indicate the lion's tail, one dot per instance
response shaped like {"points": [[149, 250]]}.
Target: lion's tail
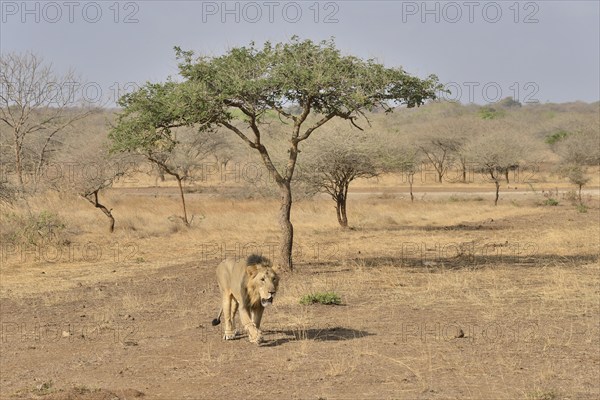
{"points": [[217, 320]]}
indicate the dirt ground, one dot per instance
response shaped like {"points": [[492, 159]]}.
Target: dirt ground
{"points": [[493, 305]]}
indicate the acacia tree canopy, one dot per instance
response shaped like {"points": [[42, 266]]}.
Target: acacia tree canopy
{"points": [[152, 123], [150, 114], [250, 86]]}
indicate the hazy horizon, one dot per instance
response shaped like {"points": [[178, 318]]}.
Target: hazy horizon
{"points": [[544, 51]]}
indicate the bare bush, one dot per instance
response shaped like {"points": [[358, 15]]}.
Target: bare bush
{"points": [[89, 168], [443, 142], [579, 150], [496, 151], [37, 105]]}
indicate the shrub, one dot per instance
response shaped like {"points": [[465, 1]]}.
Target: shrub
{"points": [[543, 395], [550, 202], [556, 137], [8, 193], [490, 113], [35, 228], [322, 298]]}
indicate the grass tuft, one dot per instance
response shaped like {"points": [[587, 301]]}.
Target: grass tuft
{"points": [[543, 395], [327, 298], [550, 202]]}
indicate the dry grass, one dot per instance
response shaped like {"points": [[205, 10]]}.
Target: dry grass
{"points": [[520, 280], [434, 232]]}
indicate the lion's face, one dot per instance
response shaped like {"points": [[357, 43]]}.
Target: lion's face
{"points": [[264, 282]]}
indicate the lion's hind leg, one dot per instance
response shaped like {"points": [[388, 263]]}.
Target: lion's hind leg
{"points": [[227, 314], [234, 309]]}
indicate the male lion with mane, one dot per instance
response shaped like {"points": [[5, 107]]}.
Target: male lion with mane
{"points": [[251, 285]]}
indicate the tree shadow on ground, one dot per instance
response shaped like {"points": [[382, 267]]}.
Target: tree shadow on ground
{"points": [[318, 335], [428, 228], [466, 260]]}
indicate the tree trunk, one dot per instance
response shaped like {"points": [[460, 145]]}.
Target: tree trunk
{"points": [[338, 211], [287, 229], [580, 201], [160, 175], [411, 178], [506, 176], [19, 166], [343, 212], [497, 182], [105, 210], [340, 208], [464, 173], [185, 218]]}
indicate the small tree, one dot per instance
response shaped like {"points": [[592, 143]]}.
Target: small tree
{"points": [[579, 150], [443, 144], [37, 105], [409, 169], [576, 175], [92, 168], [337, 162], [250, 87], [506, 171], [440, 153], [401, 157], [462, 159], [153, 127], [90, 189], [496, 151], [581, 147], [181, 160]]}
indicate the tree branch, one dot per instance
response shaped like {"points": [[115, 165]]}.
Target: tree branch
{"points": [[238, 132], [319, 123]]}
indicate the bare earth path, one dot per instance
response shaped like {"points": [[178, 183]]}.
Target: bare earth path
{"points": [[461, 325], [153, 336]]}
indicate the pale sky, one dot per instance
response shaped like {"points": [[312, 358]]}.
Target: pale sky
{"points": [[483, 51]]}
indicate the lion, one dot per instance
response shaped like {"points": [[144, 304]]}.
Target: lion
{"points": [[250, 284]]}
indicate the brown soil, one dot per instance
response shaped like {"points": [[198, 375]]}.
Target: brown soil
{"points": [[461, 326]]}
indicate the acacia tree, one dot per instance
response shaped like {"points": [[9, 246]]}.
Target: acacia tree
{"points": [[440, 151], [461, 130], [579, 150], [402, 157], [37, 105], [408, 167], [249, 87], [153, 126], [181, 159], [335, 163], [111, 169], [462, 159], [89, 168], [576, 173], [442, 143], [496, 151]]}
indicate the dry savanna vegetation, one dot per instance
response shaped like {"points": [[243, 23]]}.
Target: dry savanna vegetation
{"points": [[455, 257]]}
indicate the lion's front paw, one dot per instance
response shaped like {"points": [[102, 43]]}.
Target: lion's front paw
{"points": [[230, 335], [256, 338]]}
